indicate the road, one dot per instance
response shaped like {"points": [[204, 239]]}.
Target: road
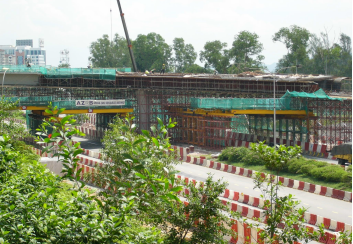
{"points": [[331, 161], [324, 206]]}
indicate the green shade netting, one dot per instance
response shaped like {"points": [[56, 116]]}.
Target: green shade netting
{"points": [[53, 72], [289, 101]]}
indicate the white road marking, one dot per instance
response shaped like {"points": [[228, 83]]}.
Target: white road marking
{"points": [[319, 208], [334, 212]]}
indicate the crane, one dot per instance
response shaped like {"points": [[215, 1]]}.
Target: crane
{"points": [[127, 38]]}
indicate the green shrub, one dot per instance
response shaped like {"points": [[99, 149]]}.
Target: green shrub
{"points": [[295, 164], [238, 154], [224, 156], [252, 158], [318, 164], [307, 168], [347, 177], [332, 173]]}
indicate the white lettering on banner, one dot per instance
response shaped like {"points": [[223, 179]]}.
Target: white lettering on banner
{"points": [[87, 103]]}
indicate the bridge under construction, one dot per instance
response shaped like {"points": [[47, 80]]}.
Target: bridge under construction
{"points": [[209, 109]]}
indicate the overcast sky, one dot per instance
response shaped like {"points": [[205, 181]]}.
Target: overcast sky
{"points": [[74, 24]]}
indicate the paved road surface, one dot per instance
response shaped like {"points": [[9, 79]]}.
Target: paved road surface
{"points": [[331, 161], [324, 206]]}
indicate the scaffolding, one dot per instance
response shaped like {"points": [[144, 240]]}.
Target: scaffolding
{"points": [[172, 97]]}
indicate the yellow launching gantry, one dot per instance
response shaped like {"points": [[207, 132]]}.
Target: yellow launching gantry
{"points": [[121, 111], [231, 113]]}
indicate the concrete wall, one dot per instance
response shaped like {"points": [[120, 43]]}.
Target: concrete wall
{"points": [[20, 79], [53, 165]]}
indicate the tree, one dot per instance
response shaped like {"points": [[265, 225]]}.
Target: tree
{"points": [[8, 126], [197, 69], [215, 56], [185, 55], [296, 40], [284, 217], [106, 54], [64, 66], [245, 52], [137, 164], [276, 158], [345, 61], [151, 52], [60, 138], [329, 57], [202, 215]]}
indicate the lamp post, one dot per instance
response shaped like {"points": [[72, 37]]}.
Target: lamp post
{"points": [[3, 78], [274, 101]]}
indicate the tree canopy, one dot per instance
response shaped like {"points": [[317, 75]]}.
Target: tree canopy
{"points": [[151, 52], [316, 54], [185, 55], [215, 56], [105, 54], [296, 40], [245, 51]]}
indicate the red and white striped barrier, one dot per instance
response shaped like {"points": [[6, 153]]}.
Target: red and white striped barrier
{"points": [[255, 210], [299, 185]]}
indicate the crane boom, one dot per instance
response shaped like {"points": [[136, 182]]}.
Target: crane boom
{"points": [[127, 38]]}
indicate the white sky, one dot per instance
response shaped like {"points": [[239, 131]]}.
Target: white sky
{"points": [[74, 24]]}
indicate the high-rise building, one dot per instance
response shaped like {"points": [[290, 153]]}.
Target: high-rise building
{"points": [[19, 54], [26, 42]]}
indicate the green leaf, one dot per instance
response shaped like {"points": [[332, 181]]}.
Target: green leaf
{"points": [[176, 189], [160, 122], [172, 197], [155, 141], [146, 133], [140, 175], [138, 141], [154, 189]]}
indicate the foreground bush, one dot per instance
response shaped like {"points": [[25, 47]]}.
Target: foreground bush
{"points": [[31, 212]]}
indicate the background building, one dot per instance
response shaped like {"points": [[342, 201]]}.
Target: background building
{"points": [[26, 42], [17, 55]]}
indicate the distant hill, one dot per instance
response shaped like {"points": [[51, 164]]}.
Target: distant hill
{"points": [[271, 67]]}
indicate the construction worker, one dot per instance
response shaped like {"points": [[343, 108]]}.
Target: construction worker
{"points": [[146, 72], [163, 69], [152, 71]]}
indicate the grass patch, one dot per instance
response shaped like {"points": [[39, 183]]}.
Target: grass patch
{"points": [[301, 177], [302, 169]]}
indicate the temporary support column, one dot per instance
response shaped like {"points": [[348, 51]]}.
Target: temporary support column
{"points": [[268, 130], [143, 104], [293, 127], [287, 130], [301, 130], [280, 130]]}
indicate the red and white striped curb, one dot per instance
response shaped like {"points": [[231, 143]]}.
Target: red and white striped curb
{"points": [[295, 184], [256, 211], [182, 152]]}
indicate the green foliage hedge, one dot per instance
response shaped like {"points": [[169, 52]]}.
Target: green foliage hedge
{"points": [[317, 169], [33, 209]]}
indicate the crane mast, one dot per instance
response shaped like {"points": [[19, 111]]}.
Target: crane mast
{"points": [[127, 38]]}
